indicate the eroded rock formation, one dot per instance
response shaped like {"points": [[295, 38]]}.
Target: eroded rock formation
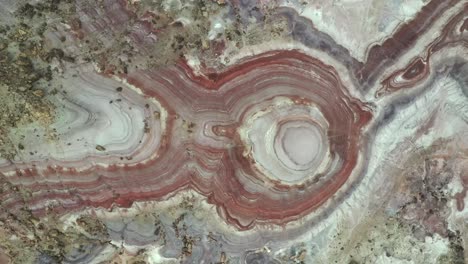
{"points": [[234, 132]]}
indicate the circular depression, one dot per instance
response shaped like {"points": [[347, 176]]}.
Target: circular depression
{"points": [[300, 145], [287, 141]]}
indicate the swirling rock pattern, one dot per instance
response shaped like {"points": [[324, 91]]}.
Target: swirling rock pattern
{"points": [[241, 132]]}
